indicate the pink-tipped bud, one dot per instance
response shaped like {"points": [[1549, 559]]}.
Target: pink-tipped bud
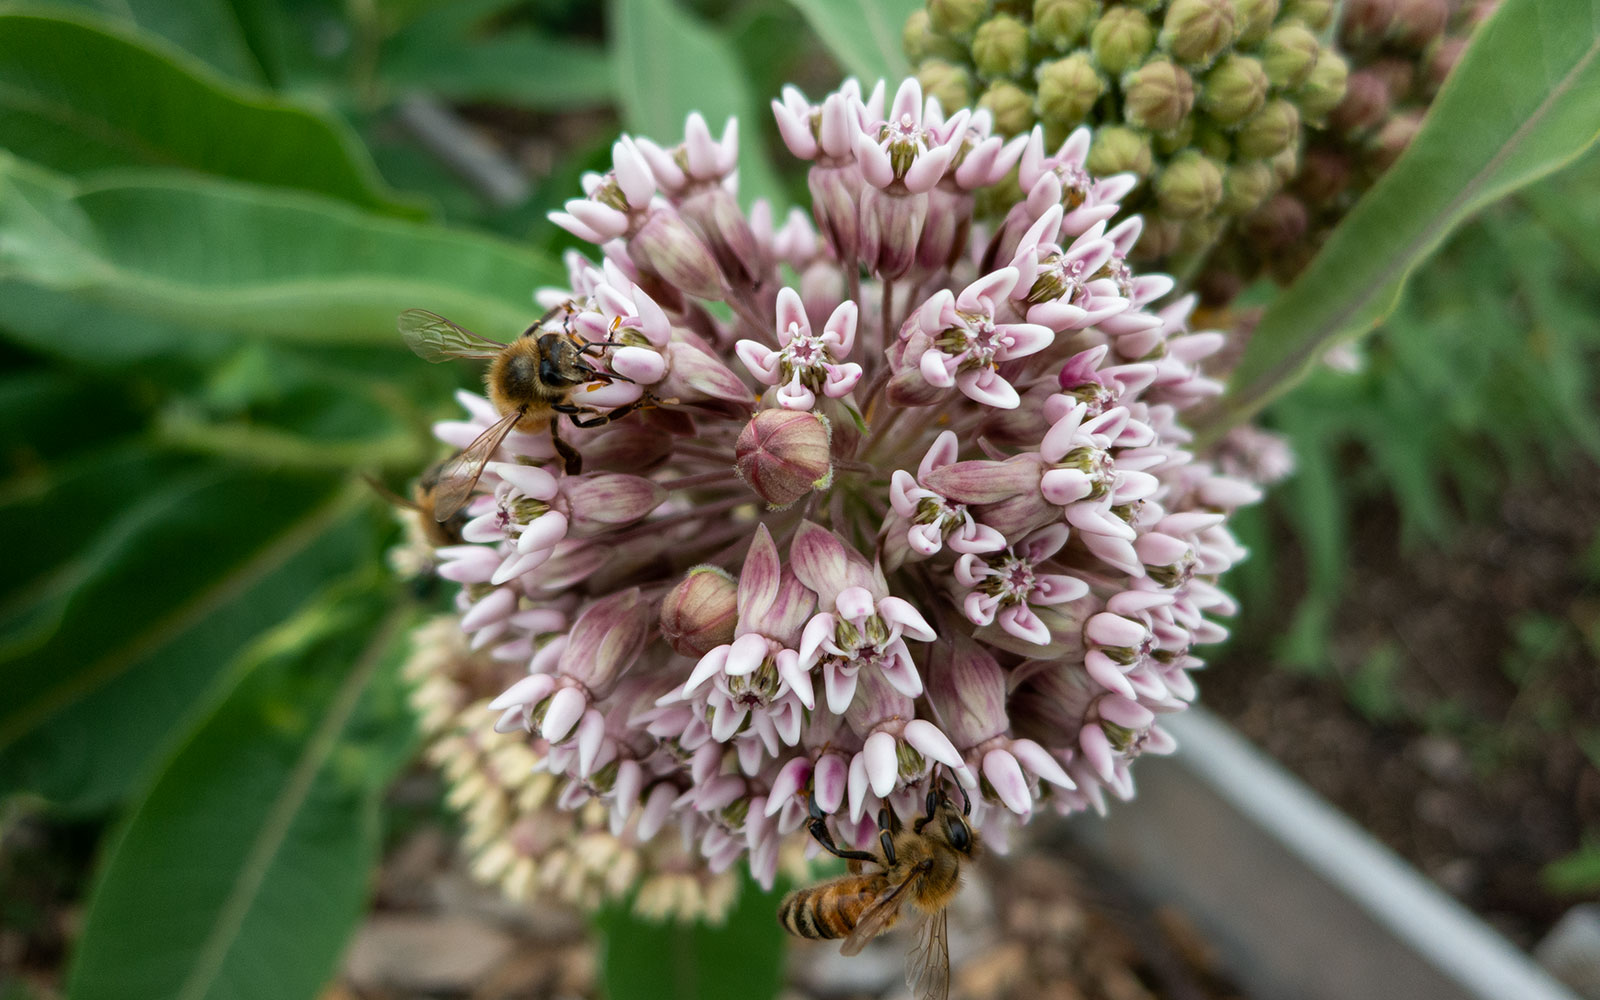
{"points": [[699, 614], [603, 501], [783, 455], [968, 691]]}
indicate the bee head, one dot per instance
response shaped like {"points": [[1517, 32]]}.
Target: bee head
{"points": [[560, 365]]}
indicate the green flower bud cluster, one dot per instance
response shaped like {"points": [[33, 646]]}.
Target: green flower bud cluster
{"points": [[1209, 102], [1399, 52]]}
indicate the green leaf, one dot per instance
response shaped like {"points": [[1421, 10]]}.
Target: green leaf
{"points": [[1524, 100], [255, 844], [233, 36], [129, 631], [864, 37], [1577, 874], [447, 53], [76, 256], [79, 98], [670, 64], [742, 959]]}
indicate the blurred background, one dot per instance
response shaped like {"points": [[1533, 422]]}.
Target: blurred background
{"points": [[210, 213]]}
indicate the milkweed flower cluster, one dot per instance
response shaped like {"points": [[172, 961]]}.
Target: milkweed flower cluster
{"points": [[898, 493]]}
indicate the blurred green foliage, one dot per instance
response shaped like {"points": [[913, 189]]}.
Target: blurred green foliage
{"points": [[210, 213]]}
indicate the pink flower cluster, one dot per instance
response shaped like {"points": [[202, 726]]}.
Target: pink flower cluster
{"points": [[899, 491]]}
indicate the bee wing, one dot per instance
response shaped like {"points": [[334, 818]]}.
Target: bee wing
{"points": [[928, 963], [461, 473], [880, 915], [436, 339]]}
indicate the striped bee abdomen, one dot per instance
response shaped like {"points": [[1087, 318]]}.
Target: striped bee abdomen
{"points": [[831, 909]]}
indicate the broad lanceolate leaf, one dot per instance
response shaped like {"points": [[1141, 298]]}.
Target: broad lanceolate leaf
{"points": [[668, 65], [447, 52], [81, 97], [234, 37], [1524, 100], [245, 868], [117, 639], [212, 256], [864, 37]]}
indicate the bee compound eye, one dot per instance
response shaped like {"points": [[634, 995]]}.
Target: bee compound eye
{"points": [[959, 836]]}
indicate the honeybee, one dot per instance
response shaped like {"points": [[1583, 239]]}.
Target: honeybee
{"points": [[920, 867], [439, 531], [531, 382]]}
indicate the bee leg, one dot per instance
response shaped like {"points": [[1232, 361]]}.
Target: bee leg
{"points": [[601, 418], [887, 842], [818, 827], [569, 454]]}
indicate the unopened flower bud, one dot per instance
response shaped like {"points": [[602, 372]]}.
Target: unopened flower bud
{"points": [[1235, 89], [1397, 74], [1288, 54], [922, 42], [1158, 95], [1118, 149], [956, 18], [1280, 223], [1269, 131], [1324, 177], [783, 455], [968, 691], [1011, 106], [1175, 141], [1000, 48], [1189, 187], [1314, 14], [1198, 235], [1253, 19], [1068, 88], [1121, 39], [1364, 23], [949, 83], [1196, 30], [1286, 165], [601, 501], [1324, 85], [1246, 185], [1159, 237], [1365, 104], [700, 613], [1060, 24], [1393, 138]]}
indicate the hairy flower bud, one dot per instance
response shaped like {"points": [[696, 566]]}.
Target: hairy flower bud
{"points": [[1269, 131], [1393, 138], [1235, 89], [699, 614], [956, 18], [1000, 48], [1119, 149], [783, 455], [1189, 187], [1324, 86], [1314, 14], [921, 42], [1324, 177], [1068, 88], [948, 83], [1246, 185], [1158, 95], [1280, 223], [1011, 106], [1417, 23], [1060, 24], [1195, 31], [1365, 104], [1121, 39], [1288, 54], [1253, 19], [1364, 23]]}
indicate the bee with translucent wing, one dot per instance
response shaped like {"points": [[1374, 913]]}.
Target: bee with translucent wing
{"points": [[532, 382], [920, 867]]}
